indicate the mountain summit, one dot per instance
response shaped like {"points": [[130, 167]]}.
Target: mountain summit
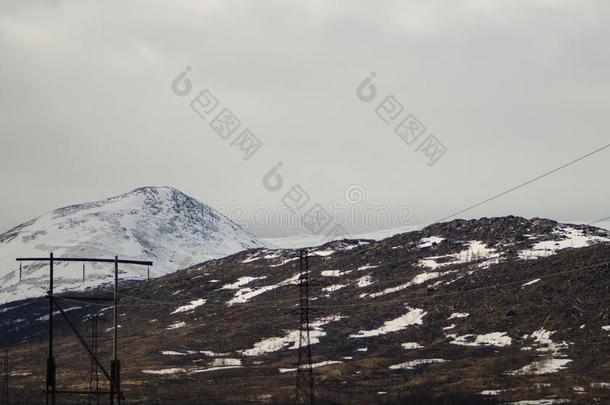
{"points": [[160, 224]]}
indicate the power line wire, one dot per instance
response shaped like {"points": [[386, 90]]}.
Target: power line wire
{"points": [[503, 193], [599, 220], [433, 296]]}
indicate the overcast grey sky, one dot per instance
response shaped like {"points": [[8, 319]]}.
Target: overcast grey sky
{"points": [[511, 88]]}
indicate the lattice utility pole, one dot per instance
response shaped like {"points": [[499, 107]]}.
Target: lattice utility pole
{"points": [[94, 372], [305, 384]]}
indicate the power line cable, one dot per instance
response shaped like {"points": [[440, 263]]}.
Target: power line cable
{"points": [[503, 193], [599, 220]]}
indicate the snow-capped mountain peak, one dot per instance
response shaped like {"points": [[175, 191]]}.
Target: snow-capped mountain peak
{"points": [[160, 224]]}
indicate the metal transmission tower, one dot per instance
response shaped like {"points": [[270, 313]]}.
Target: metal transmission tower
{"points": [[94, 372], [305, 383], [5, 378]]}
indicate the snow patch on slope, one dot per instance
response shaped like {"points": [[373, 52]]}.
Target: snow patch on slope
{"points": [[544, 366], [313, 365], [417, 280], [431, 241], [565, 237], [246, 294], [476, 251], [410, 365], [413, 317], [291, 337], [498, 339], [189, 307], [240, 282]]}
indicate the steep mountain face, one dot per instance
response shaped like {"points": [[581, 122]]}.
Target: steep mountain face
{"points": [[496, 309], [151, 223]]}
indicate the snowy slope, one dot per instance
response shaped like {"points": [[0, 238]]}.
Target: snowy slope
{"points": [[153, 223], [309, 240]]}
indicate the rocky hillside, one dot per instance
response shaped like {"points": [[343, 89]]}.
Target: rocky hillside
{"points": [[160, 224], [481, 311]]}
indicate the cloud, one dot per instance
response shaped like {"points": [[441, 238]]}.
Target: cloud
{"points": [[512, 89]]}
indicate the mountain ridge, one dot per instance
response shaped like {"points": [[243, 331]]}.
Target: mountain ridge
{"points": [[491, 310]]}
